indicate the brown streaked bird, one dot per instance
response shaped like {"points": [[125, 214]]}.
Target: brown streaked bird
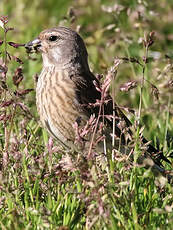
{"points": [[65, 87]]}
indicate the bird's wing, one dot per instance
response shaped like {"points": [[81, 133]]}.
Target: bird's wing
{"points": [[88, 94]]}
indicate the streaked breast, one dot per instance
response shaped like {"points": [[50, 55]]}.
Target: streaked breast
{"points": [[57, 104]]}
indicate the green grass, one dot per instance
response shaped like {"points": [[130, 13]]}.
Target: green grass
{"points": [[39, 187]]}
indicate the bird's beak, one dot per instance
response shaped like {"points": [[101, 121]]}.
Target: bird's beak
{"points": [[33, 46]]}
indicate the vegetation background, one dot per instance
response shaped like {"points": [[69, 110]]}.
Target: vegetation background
{"points": [[36, 192]]}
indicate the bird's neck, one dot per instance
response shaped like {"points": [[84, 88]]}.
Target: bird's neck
{"points": [[76, 65]]}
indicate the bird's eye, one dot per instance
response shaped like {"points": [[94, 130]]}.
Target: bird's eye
{"points": [[53, 38]]}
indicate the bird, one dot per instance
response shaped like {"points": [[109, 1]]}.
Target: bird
{"points": [[67, 88]]}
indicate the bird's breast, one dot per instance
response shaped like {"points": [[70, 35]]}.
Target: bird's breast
{"points": [[57, 103]]}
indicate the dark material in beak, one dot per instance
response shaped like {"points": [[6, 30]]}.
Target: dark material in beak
{"points": [[33, 46]]}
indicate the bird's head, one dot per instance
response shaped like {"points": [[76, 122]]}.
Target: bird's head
{"points": [[60, 46]]}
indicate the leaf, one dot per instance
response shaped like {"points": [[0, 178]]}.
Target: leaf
{"points": [[155, 91], [24, 108], [3, 69], [6, 103], [17, 59], [18, 76], [128, 86], [15, 45], [23, 92]]}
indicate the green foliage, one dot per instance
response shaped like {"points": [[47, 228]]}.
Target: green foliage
{"points": [[41, 187]]}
